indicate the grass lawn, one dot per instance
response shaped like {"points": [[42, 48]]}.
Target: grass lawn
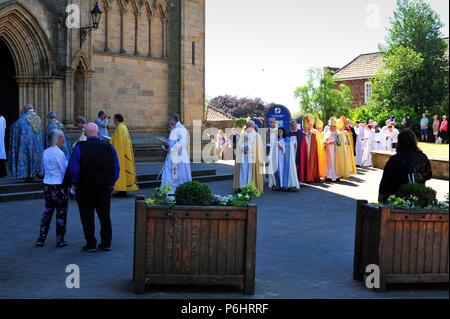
{"points": [[439, 150]]}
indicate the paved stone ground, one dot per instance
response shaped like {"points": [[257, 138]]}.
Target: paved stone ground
{"points": [[304, 249]]}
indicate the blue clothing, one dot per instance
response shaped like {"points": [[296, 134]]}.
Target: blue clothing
{"points": [[57, 125], [74, 165], [26, 146], [424, 122], [102, 127]]}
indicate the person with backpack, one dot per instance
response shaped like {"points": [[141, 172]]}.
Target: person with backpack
{"points": [[409, 165]]}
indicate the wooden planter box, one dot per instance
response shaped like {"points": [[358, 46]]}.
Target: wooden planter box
{"points": [[194, 246], [409, 246]]}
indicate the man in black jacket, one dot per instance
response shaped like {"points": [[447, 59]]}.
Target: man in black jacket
{"points": [[94, 169]]}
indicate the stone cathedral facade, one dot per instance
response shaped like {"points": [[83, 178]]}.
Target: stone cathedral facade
{"points": [[145, 60]]}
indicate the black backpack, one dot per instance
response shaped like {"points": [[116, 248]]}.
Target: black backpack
{"points": [[419, 168]]}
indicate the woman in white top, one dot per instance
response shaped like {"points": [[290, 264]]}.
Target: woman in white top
{"points": [[54, 164]]}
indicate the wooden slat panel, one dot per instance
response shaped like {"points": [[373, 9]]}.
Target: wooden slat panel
{"points": [[413, 248], [436, 247], [406, 243], [197, 213], [366, 242], [240, 247], [443, 267], [186, 251], [168, 246], [213, 246], [150, 260], [231, 248], [398, 247], [195, 253], [222, 248], [390, 248], [204, 246], [421, 247], [194, 280], [177, 246], [159, 245], [429, 247]]}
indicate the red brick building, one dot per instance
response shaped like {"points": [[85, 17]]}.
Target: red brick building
{"points": [[358, 75]]}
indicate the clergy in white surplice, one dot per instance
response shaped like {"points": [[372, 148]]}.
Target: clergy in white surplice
{"points": [[177, 168], [250, 164], [369, 137], [359, 131]]}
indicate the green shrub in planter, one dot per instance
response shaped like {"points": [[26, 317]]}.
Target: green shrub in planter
{"points": [[422, 195], [194, 194]]}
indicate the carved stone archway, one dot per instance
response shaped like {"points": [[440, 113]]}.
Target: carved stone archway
{"points": [[31, 53]]}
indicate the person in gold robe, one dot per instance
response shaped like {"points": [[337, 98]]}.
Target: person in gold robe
{"points": [[350, 154], [321, 154], [122, 143], [311, 140], [250, 164], [342, 143]]}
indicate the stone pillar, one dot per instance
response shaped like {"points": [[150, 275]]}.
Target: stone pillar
{"points": [[149, 35], [107, 10], [68, 109], [88, 94], [122, 30], [166, 42], [136, 33], [163, 33]]}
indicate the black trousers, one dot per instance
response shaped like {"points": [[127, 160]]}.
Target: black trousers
{"points": [[99, 199]]}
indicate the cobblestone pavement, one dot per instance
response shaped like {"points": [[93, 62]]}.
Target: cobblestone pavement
{"points": [[305, 247]]}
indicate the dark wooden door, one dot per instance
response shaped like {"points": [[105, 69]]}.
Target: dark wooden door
{"points": [[9, 95]]}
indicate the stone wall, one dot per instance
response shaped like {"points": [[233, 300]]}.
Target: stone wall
{"points": [[136, 88]]}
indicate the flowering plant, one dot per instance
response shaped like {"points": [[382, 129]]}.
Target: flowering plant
{"points": [[162, 196]]}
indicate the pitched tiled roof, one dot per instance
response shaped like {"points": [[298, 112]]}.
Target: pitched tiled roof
{"points": [[214, 115], [365, 66]]}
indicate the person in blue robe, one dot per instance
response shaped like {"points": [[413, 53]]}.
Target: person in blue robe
{"points": [[54, 124], [26, 146]]}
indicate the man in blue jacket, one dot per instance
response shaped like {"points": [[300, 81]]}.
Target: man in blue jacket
{"points": [[94, 169]]}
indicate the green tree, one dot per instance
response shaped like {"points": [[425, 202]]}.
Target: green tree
{"points": [[416, 70], [320, 96]]}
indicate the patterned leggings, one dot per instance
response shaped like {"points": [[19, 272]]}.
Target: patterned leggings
{"points": [[56, 197]]}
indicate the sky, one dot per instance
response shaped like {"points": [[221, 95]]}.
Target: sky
{"points": [[263, 48]]}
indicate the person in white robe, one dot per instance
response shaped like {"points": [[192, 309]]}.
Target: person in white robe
{"points": [[273, 152], [329, 142], [250, 165], [377, 138], [369, 137], [177, 167], [359, 131], [286, 175]]}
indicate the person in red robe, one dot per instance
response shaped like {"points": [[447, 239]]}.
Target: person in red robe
{"points": [[301, 158], [311, 140]]}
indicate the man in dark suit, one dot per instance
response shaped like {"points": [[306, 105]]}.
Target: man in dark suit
{"points": [[94, 169]]}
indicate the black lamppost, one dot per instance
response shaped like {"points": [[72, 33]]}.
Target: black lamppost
{"points": [[96, 15]]}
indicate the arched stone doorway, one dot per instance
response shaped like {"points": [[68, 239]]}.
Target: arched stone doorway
{"points": [[9, 95], [29, 50]]}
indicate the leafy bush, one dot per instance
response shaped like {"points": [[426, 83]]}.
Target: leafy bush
{"points": [[194, 194], [419, 194]]}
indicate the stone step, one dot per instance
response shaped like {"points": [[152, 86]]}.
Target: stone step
{"points": [[20, 187], [209, 176]]}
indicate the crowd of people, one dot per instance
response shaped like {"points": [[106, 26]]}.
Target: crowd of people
{"points": [[93, 168], [97, 166]]}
